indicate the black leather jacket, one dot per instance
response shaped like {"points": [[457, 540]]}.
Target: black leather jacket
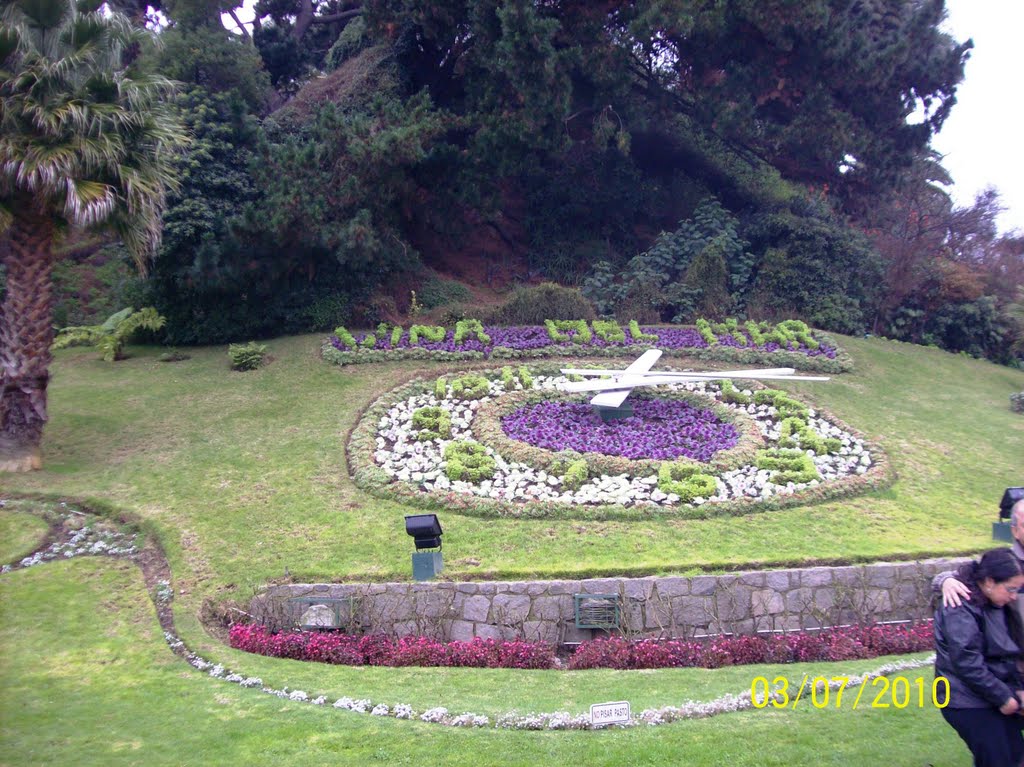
{"points": [[975, 652]]}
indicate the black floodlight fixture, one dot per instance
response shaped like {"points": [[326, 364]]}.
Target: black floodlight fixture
{"points": [[1010, 497], [1001, 530], [425, 530]]}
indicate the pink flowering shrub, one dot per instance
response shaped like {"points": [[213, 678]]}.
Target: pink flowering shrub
{"points": [[379, 650], [850, 643]]}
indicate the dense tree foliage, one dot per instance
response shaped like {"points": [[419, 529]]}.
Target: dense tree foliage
{"points": [[678, 157]]}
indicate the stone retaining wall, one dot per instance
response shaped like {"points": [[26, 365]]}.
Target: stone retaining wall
{"points": [[738, 603]]}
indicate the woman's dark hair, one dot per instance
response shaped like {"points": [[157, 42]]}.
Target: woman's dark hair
{"points": [[998, 564]]}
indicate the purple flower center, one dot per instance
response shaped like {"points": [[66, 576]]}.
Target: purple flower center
{"points": [[658, 430]]}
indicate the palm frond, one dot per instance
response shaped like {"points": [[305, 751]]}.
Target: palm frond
{"points": [[89, 141]]}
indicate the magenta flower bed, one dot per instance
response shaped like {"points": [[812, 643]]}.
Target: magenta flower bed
{"points": [[378, 650], [658, 430], [850, 643], [536, 337]]}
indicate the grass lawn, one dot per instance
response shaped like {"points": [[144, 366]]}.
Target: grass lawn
{"points": [[242, 478], [88, 680], [20, 534]]}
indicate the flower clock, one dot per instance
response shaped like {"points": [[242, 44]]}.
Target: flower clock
{"points": [[510, 442]]}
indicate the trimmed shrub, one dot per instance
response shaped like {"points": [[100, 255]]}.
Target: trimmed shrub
{"points": [[827, 645], [468, 461], [574, 477], [433, 333], [509, 378], [785, 405], [639, 335], [733, 395], [470, 328], [704, 328], [789, 465], [686, 481], [470, 387], [581, 333], [396, 336], [532, 305], [441, 388], [247, 356], [432, 423], [609, 330], [346, 338]]}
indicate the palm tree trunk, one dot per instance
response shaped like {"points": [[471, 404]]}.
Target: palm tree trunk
{"points": [[26, 333]]}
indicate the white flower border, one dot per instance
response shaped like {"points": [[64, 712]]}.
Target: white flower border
{"points": [[406, 459], [513, 720], [87, 540]]}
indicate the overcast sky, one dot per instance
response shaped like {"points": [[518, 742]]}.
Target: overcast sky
{"points": [[982, 139]]}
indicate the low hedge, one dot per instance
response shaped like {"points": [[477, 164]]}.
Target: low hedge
{"points": [[354, 353]]}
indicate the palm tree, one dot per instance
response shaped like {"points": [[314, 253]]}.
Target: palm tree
{"points": [[85, 142]]}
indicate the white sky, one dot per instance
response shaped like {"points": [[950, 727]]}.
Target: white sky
{"points": [[983, 140]]}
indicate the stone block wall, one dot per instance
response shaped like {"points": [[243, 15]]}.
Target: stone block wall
{"points": [[737, 603]]}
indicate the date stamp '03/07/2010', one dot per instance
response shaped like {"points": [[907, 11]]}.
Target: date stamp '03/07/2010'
{"points": [[897, 692]]}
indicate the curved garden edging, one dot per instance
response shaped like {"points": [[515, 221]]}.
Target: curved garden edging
{"points": [[153, 564]]}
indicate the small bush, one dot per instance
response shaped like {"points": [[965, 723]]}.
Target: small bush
{"points": [[609, 330], [437, 292], [346, 338], [684, 480], [468, 461], [247, 356], [1017, 402], [432, 423], [828, 645], [470, 329], [789, 465], [704, 328], [577, 473], [441, 388], [733, 395], [470, 387], [786, 406], [533, 305], [433, 333], [557, 331], [639, 335]]}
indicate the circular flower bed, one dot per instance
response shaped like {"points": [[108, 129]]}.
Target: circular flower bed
{"points": [[456, 455], [658, 430]]}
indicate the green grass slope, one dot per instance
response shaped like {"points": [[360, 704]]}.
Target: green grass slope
{"points": [[88, 680], [243, 477]]}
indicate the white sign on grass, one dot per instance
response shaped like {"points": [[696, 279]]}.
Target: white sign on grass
{"points": [[610, 713]]}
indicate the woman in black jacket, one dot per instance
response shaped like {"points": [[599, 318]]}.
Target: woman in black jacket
{"points": [[977, 646]]}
